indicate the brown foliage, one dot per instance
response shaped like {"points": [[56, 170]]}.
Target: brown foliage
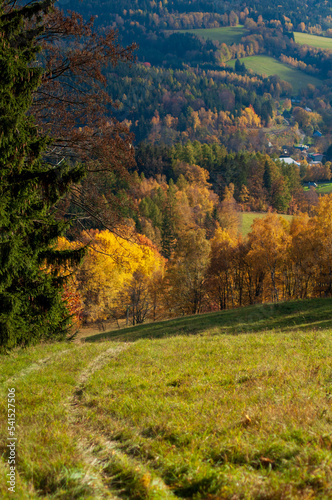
{"points": [[73, 106]]}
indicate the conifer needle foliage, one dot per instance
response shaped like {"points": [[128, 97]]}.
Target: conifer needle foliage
{"points": [[31, 307]]}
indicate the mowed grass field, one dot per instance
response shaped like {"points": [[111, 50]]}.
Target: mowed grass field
{"points": [[228, 34], [320, 42], [222, 406], [265, 65], [247, 219], [322, 188]]}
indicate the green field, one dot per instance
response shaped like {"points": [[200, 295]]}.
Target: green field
{"points": [[247, 218], [222, 406], [322, 188], [228, 35], [320, 42], [270, 66]]}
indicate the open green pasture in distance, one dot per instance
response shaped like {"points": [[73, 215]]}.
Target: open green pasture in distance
{"points": [[322, 187], [321, 42], [247, 219], [270, 66], [235, 404], [228, 34]]}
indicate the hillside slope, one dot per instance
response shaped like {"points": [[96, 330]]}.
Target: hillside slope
{"points": [[222, 406]]}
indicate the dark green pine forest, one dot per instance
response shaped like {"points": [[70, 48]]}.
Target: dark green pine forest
{"points": [[31, 306]]}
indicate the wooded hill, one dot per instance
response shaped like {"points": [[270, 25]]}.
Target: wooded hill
{"points": [[187, 86], [214, 12]]}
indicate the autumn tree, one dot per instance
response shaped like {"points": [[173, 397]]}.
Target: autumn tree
{"points": [[322, 235], [302, 263], [73, 106], [228, 216], [220, 273], [115, 276], [186, 275], [269, 240]]}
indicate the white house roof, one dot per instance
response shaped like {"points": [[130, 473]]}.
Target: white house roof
{"points": [[289, 160]]}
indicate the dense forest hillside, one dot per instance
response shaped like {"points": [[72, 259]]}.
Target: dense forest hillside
{"points": [[192, 80], [295, 11]]}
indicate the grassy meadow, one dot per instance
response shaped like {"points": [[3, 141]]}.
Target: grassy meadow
{"points": [[322, 188], [230, 405], [265, 65], [247, 219], [228, 34], [321, 42]]}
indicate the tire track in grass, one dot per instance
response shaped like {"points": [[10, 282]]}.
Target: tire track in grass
{"points": [[119, 474], [35, 368], [37, 365]]}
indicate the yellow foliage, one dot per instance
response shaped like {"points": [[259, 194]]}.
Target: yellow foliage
{"points": [[249, 118], [222, 236], [269, 241], [108, 267]]}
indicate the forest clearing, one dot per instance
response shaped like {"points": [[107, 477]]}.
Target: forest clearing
{"points": [[320, 42], [227, 34], [322, 188], [247, 219], [269, 66]]}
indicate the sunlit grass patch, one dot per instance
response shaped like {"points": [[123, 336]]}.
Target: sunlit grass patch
{"points": [[212, 415], [321, 42], [266, 65], [218, 406], [48, 461], [322, 188]]}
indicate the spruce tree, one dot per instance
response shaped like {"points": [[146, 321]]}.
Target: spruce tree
{"points": [[168, 231], [31, 306], [267, 181]]}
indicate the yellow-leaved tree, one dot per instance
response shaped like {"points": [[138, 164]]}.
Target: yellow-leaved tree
{"points": [[321, 234], [108, 270]]}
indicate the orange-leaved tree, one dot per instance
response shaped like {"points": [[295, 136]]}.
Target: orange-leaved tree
{"points": [[221, 278], [269, 240], [186, 275]]}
